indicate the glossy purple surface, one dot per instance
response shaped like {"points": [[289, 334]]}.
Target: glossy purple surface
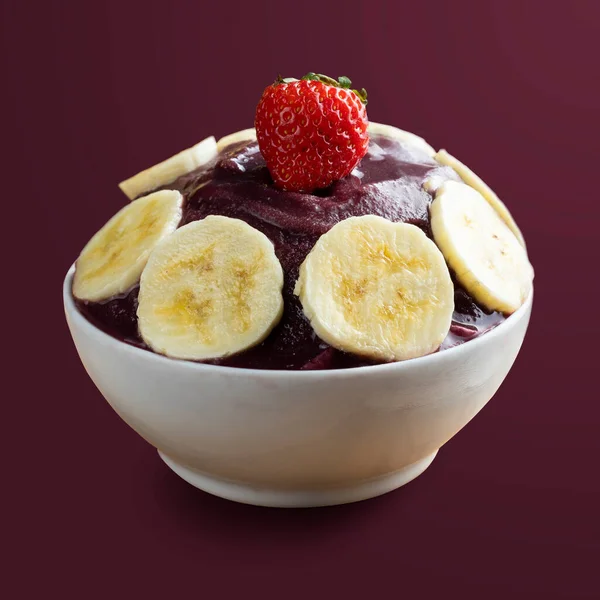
{"points": [[387, 182]]}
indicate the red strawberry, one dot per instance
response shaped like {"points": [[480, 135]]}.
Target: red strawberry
{"points": [[312, 131]]}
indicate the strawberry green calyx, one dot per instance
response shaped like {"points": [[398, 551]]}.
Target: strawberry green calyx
{"points": [[342, 82]]}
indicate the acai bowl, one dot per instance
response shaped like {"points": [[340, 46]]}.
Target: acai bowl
{"points": [[304, 312]]}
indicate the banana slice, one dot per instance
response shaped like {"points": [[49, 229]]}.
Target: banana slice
{"points": [[378, 289], [401, 135], [169, 170], [246, 135], [470, 178], [211, 289], [113, 260], [478, 245]]}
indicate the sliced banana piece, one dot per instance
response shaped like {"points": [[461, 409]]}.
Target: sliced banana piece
{"points": [[401, 135], [169, 170], [378, 289], [472, 179], [246, 135], [487, 258], [113, 260], [211, 289]]}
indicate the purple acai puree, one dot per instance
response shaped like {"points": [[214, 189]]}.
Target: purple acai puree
{"points": [[387, 182]]}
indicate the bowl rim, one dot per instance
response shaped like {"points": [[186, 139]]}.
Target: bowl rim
{"points": [[454, 352]]}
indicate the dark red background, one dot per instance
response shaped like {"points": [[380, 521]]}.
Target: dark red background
{"points": [[95, 91]]}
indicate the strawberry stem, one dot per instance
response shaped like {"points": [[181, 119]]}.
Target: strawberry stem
{"points": [[342, 82]]}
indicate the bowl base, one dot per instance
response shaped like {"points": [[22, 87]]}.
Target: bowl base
{"points": [[282, 498]]}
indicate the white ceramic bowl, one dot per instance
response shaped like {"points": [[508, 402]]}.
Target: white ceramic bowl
{"points": [[297, 438]]}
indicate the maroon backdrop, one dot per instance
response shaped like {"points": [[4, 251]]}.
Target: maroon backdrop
{"points": [[94, 91]]}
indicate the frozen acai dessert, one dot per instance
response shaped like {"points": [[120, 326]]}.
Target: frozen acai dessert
{"points": [[316, 240]]}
